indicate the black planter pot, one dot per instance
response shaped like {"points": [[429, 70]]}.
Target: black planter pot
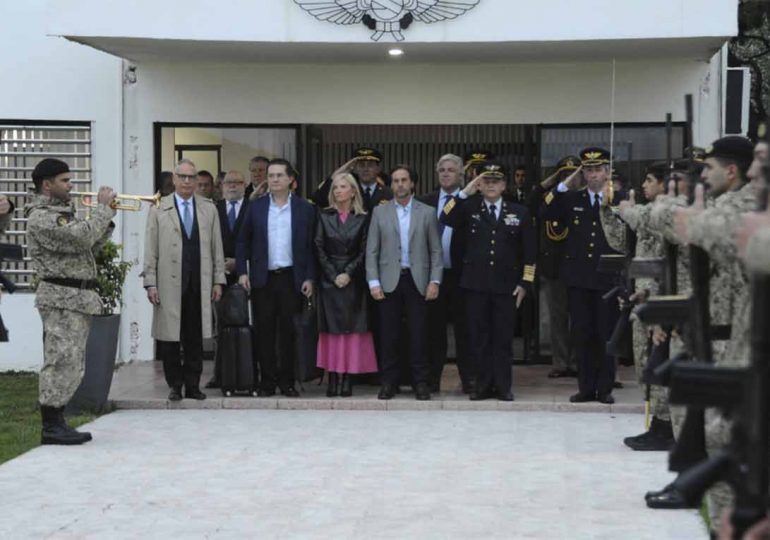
{"points": [[101, 348]]}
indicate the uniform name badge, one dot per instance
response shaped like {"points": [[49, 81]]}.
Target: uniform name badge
{"points": [[578, 209]]}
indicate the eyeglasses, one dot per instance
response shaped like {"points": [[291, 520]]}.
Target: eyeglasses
{"points": [[187, 177]]}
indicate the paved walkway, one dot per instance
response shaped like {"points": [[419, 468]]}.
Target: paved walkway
{"points": [[343, 475], [141, 386]]}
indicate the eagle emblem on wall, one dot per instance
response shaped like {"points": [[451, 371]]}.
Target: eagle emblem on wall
{"points": [[386, 16]]}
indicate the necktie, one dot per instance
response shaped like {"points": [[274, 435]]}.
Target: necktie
{"points": [[597, 201], [441, 226], [187, 219], [491, 216], [231, 215]]}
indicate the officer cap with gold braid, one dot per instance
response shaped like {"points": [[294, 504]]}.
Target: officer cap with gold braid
{"points": [[474, 157], [492, 169], [366, 153], [594, 156], [568, 163]]}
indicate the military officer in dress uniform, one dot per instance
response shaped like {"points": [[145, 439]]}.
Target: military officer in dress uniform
{"points": [[366, 166], [553, 235], [498, 272], [592, 319]]}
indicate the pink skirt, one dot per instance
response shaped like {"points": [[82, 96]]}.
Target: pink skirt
{"points": [[346, 353]]}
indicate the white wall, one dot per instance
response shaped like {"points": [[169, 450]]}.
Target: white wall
{"points": [[490, 20], [436, 94], [48, 78]]}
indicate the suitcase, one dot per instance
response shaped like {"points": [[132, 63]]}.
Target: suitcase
{"points": [[237, 361], [234, 310]]}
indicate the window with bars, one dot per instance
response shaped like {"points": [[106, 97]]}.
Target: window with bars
{"points": [[22, 146]]}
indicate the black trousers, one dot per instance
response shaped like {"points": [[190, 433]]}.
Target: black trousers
{"points": [[405, 298], [448, 308], [273, 307], [591, 323], [187, 373], [492, 318]]}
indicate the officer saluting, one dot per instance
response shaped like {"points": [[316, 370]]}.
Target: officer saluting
{"points": [[592, 319], [366, 166], [498, 271]]}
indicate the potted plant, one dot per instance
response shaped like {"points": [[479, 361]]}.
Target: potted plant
{"points": [[102, 344]]}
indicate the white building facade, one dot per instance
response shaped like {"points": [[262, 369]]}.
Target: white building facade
{"points": [[129, 69]]}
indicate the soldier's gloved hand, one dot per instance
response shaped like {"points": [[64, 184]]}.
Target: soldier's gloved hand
{"points": [[105, 196], [5, 205]]}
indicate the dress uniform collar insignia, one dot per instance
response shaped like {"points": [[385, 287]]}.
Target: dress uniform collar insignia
{"points": [[477, 217]]}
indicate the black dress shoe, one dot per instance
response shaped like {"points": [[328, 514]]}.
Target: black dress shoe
{"points": [[508, 396], [480, 394], [617, 384], [266, 392], [175, 394], [213, 383], [607, 399], [195, 393], [669, 498], [386, 392], [580, 397], [422, 392], [290, 391]]}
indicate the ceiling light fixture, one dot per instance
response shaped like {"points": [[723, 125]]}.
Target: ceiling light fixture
{"points": [[395, 52]]}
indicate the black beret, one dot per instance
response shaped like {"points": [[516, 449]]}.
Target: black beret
{"points": [[568, 163], [366, 153], [658, 169], [477, 156], [49, 168], [593, 155], [734, 147]]}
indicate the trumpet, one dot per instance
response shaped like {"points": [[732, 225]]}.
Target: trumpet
{"points": [[132, 203]]}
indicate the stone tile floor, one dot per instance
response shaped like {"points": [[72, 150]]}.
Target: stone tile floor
{"points": [[315, 474], [140, 385]]}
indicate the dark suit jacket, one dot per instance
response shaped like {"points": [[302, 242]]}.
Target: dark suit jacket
{"points": [[456, 245], [252, 242], [585, 241], [229, 238]]}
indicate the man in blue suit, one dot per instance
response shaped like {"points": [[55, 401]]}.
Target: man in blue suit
{"points": [[276, 240]]}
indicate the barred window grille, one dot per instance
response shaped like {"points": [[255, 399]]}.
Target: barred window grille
{"points": [[22, 146]]}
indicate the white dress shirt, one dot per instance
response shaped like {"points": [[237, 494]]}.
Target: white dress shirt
{"points": [[279, 253], [404, 215], [446, 236]]}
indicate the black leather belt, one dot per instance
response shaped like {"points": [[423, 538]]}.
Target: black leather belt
{"points": [[74, 283], [279, 271], [404, 271]]}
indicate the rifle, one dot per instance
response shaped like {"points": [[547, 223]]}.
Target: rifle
{"points": [[10, 252]]}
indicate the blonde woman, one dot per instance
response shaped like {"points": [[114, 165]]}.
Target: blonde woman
{"points": [[345, 344]]}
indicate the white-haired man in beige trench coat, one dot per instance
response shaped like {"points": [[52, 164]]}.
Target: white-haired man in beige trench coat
{"points": [[184, 271]]}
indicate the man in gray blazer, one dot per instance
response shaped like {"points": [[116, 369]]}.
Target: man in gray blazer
{"points": [[404, 268]]}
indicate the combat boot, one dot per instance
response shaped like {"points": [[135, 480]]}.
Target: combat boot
{"points": [[55, 429], [660, 437]]}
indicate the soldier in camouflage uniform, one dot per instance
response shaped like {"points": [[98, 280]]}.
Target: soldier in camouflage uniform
{"points": [[649, 244], [61, 246], [6, 211], [713, 229]]}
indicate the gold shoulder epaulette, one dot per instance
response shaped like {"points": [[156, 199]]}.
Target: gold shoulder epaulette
{"points": [[549, 197], [449, 205]]}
